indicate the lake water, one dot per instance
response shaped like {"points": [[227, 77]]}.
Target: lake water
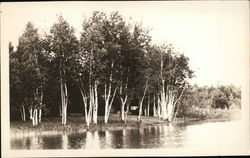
{"points": [[169, 136]]}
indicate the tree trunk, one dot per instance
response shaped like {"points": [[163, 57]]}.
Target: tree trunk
{"points": [[163, 102], [108, 103], [40, 108], [34, 117], [140, 111], [158, 107], [148, 107], [123, 102], [107, 96], [154, 108], [127, 111], [96, 103], [40, 116], [123, 112], [85, 102], [170, 106], [66, 104], [163, 95], [173, 112], [64, 101], [21, 112], [141, 102], [31, 113]]}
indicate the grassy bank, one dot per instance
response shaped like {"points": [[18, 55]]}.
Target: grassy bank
{"points": [[77, 123], [213, 114]]}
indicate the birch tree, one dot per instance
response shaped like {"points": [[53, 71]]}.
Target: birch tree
{"points": [[30, 60], [117, 33], [174, 72], [112, 32], [140, 44], [63, 45], [91, 50], [102, 41]]}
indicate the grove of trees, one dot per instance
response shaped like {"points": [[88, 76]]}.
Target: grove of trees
{"points": [[200, 102], [113, 64]]}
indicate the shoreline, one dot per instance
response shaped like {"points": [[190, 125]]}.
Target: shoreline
{"points": [[77, 123]]}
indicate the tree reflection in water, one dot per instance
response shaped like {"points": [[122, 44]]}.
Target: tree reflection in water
{"points": [[158, 136]]}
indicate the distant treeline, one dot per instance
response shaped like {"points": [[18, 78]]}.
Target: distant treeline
{"points": [[200, 102], [113, 66]]}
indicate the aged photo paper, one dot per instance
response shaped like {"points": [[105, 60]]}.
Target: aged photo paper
{"points": [[208, 43]]}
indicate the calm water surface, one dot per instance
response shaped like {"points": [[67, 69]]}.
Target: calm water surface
{"points": [[169, 136]]}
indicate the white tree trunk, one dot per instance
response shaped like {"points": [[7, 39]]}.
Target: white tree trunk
{"points": [[123, 101], [40, 108], [65, 115], [31, 113], [127, 111], [154, 108], [123, 111], [107, 98], [148, 107], [164, 98], [158, 107], [64, 102], [163, 95], [108, 106], [172, 105], [40, 116], [24, 116], [140, 111], [141, 102], [85, 102], [34, 117], [108, 102], [95, 103]]}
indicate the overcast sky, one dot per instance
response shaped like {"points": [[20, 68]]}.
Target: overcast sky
{"points": [[213, 34]]}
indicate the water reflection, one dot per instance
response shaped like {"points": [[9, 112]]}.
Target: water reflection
{"points": [[147, 137], [76, 141], [159, 136]]}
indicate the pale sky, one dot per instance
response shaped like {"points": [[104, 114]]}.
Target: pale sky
{"points": [[213, 34]]}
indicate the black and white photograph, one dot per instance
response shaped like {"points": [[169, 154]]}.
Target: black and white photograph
{"points": [[124, 78]]}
